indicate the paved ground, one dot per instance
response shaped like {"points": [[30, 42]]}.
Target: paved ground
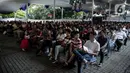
{"points": [[12, 60]]}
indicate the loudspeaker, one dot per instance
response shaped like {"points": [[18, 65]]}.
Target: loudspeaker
{"points": [[84, 17], [97, 20]]}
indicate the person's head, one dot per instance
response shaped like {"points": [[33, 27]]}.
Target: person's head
{"points": [[60, 31], [90, 29], [92, 36], [102, 33], [68, 31], [76, 35], [119, 28], [10, 24], [26, 33]]}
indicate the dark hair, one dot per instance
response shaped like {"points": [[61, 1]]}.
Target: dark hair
{"points": [[93, 33], [74, 33], [68, 30]]}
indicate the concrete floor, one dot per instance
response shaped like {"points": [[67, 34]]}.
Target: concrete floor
{"points": [[13, 60]]}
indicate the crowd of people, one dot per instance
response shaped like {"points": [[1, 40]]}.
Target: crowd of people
{"points": [[76, 40]]}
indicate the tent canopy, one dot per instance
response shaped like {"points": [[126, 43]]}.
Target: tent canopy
{"points": [[7, 6]]}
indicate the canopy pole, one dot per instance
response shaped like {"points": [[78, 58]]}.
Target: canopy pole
{"points": [[15, 14], [109, 10], [126, 12], [83, 16], [92, 12], [54, 11], [62, 13], [27, 12]]}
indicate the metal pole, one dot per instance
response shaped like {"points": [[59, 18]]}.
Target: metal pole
{"points": [[62, 13], [15, 13], [92, 11], [75, 13], [109, 10], [84, 16], [126, 12], [27, 12], [120, 18], [54, 10]]}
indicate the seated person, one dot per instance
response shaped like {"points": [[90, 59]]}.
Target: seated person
{"points": [[25, 43], [60, 39], [76, 44], [111, 43], [102, 39], [90, 49], [119, 37]]}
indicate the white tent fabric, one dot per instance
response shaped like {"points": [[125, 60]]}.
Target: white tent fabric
{"points": [[61, 3], [13, 5]]}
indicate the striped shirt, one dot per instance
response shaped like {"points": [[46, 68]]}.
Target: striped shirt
{"points": [[76, 43]]}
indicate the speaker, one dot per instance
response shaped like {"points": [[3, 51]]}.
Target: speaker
{"points": [[84, 17], [97, 20]]}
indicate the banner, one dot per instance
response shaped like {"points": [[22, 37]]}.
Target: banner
{"points": [[119, 9]]}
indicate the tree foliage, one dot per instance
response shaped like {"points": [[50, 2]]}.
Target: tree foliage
{"points": [[19, 14], [11, 15], [36, 11]]}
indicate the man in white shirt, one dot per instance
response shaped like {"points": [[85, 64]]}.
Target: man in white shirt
{"points": [[119, 37], [93, 47]]}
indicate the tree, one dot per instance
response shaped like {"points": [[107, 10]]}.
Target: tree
{"points": [[38, 11], [19, 14], [11, 15], [68, 12], [78, 15]]}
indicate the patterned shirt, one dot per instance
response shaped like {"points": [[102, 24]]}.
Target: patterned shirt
{"points": [[76, 43]]}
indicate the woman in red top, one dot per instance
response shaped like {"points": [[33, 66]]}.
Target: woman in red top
{"points": [[25, 43]]}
